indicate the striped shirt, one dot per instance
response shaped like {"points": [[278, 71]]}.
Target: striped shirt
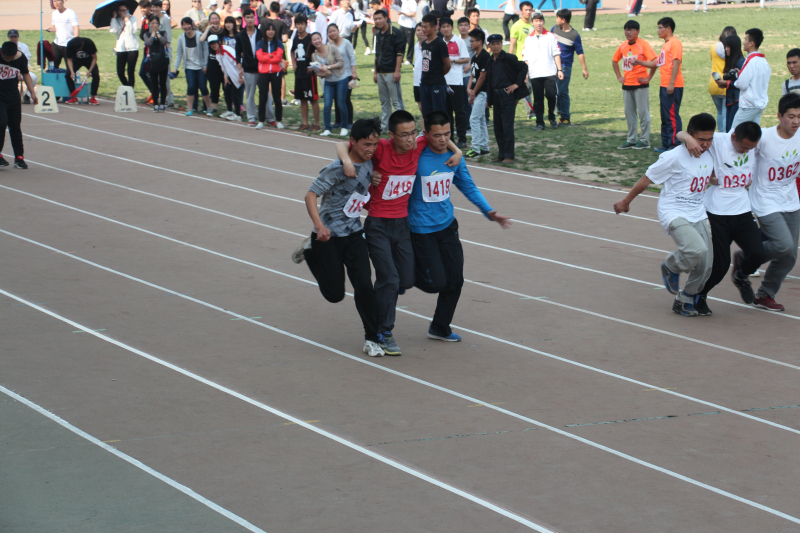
{"points": [[336, 189]]}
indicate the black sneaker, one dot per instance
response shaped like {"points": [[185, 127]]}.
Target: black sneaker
{"points": [[485, 152], [701, 306], [3, 162], [683, 308], [20, 163], [741, 282], [539, 127], [553, 124], [26, 99], [461, 145]]}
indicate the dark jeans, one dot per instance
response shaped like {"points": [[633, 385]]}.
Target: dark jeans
{"points": [[215, 81], [637, 7], [507, 21], [726, 229], [433, 98], [195, 80], [158, 82], [456, 104], [84, 63], [591, 11], [328, 260], [504, 108], [409, 34], [265, 81], [544, 88], [145, 75], [670, 116], [563, 91], [730, 114], [127, 61], [59, 53], [389, 244], [543, 2], [439, 268], [348, 105], [337, 90], [233, 98], [11, 118]]}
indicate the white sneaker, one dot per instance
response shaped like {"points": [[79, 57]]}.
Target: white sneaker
{"points": [[343, 133], [210, 112], [231, 115], [279, 125], [367, 52], [260, 126], [755, 274], [594, 29], [237, 118], [325, 133], [407, 62], [297, 255], [506, 43], [587, 29], [373, 349]]}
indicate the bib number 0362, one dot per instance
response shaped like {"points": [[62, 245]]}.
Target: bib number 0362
{"points": [[782, 173]]}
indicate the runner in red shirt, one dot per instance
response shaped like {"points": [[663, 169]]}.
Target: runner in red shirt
{"points": [[386, 228]]}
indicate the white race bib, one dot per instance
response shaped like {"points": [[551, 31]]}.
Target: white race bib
{"points": [[662, 59], [628, 63], [736, 180], [780, 173], [398, 186], [436, 188], [355, 204]]}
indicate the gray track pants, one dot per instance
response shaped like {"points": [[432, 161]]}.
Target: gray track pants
{"points": [[390, 95], [782, 231], [250, 84], [694, 255], [637, 113]]}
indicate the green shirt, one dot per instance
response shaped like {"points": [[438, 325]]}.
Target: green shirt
{"points": [[519, 31]]}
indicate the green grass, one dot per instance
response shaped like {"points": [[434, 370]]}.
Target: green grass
{"points": [[586, 150]]}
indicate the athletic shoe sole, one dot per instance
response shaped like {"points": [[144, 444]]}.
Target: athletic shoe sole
{"points": [[665, 274], [440, 338], [677, 306], [766, 308], [744, 285]]}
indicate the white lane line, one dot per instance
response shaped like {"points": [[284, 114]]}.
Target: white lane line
{"points": [[384, 369], [125, 457], [577, 309], [260, 405]]}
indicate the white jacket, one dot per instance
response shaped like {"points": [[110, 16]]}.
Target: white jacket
{"points": [[127, 34], [539, 54], [754, 83]]}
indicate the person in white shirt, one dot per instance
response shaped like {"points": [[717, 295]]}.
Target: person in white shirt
{"points": [[13, 36], [728, 207], [457, 93], [543, 57], [124, 25], [682, 212], [420, 33], [752, 80], [407, 20], [343, 19], [510, 16], [792, 85], [65, 23]]}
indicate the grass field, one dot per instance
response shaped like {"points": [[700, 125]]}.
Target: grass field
{"points": [[586, 150]]}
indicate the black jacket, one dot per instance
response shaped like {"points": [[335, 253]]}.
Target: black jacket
{"points": [[388, 46], [513, 68], [244, 52]]}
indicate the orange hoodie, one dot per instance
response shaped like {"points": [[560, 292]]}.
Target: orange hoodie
{"points": [[269, 62]]}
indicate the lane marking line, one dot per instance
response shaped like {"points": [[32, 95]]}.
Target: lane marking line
{"points": [[125, 457]]}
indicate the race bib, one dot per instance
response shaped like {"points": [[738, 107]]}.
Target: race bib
{"points": [[737, 180], [699, 184], [355, 204], [662, 59], [398, 186], [628, 63], [780, 173], [436, 188]]}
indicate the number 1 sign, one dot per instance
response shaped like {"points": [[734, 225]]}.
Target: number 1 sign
{"points": [[126, 100]]}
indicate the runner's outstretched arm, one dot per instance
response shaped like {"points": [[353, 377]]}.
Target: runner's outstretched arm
{"points": [[624, 205]]}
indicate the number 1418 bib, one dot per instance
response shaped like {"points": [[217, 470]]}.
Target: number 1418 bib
{"points": [[436, 188]]}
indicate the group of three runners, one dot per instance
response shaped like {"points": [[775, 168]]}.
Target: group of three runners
{"points": [[410, 232]]}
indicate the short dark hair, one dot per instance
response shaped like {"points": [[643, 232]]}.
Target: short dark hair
{"points": [[436, 118], [631, 25], [794, 52], [364, 128], [375, 3], [463, 20], [472, 10], [315, 3], [300, 18], [156, 3], [478, 35], [400, 117], [151, 17], [381, 12], [756, 35], [275, 7], [247, 12], [525, 3], [748, 130], [788, 101], [144, 3], [667, 22], [187, 20], [565, 14], [436, 13], [701, 122], [431, 19], [445, 20]]}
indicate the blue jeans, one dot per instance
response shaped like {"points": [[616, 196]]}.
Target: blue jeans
{"points": [[477, 122], [433, 98], [338, 90], [747, 114], [195, 79], [670, 116], [563, 92], [719, 102]]}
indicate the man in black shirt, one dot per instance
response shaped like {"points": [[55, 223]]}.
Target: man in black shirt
{"points": [[13, 63], [81, 52], [246, 45], [435, 64], [390, 45], [476, 92], [305, 82], [505, 75]]}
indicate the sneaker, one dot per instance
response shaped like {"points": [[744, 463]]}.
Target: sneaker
{"points": [[161, 109], [449, 338], [701, 306], [71, 101], [587, 29], [367, 52], [210, 113], [461, 145], [155, 109], [26, 99], [485, 152], [553, 124], [298, 256], [372, 349], [594, 29], [388, 345], [472, 153], [231, 115], [93, 101], [763, 302], [284, 102], [3, 162], [641, 145], [755, 274], [626, 145], [148, 100], [661, 149], [325, 133], [251, 123], [506, 43], [279, 125], [683, 308], [260, 126], [225, 114], [315, 127], [190, 113], [671, 279], [20, 163], [304, 127], [406, 62], [237, 118], [565, 122], [344, 132], [539, 127], [741, 282]]}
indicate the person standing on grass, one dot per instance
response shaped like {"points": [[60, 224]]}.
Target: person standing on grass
{"points": [[166, 26], [728, 208], [155, 39], [476, 90], [408, 13], [438, 256], [213, 71], [194, 55], [337, 240], [246, 45], [510, 15], [506, 78], [319, 19], [233, 99], [682, 214], [671, 92], [349, 74], [734, 59], [456, 93], [718, 66], [305, 81], [521, 29], [65, 23], [125, 27], [390, 45], [82, 53], [792, 85], [435, 66], [591, 12], [635, 85], [569, 42], [13, 65], [752, 80], [331, 67], [543, 57], [145, 8], [343, 19], [271, 63], [418, 64]]}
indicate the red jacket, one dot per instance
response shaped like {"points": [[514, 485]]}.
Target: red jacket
{"points": [[269, 62]]}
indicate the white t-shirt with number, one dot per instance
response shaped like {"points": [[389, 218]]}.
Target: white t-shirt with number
{"points": [[65, 23], [777, 164], [683, 179], [734, 173]]}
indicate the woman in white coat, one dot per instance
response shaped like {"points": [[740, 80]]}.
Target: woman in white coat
{"points": [[124, 25]]}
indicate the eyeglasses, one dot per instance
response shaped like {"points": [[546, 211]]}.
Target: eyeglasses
{"points": [[406, 135]]}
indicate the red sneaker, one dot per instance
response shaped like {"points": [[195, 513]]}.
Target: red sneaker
{"points": [[273, 123], [72, 101], [149, 100], [93, 101], [765, 302]]}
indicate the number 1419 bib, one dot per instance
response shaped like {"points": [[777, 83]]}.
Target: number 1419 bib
{"points": [[436, 188]]}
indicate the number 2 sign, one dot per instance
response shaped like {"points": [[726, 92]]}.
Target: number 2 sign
{"points": [[47, 100]]}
